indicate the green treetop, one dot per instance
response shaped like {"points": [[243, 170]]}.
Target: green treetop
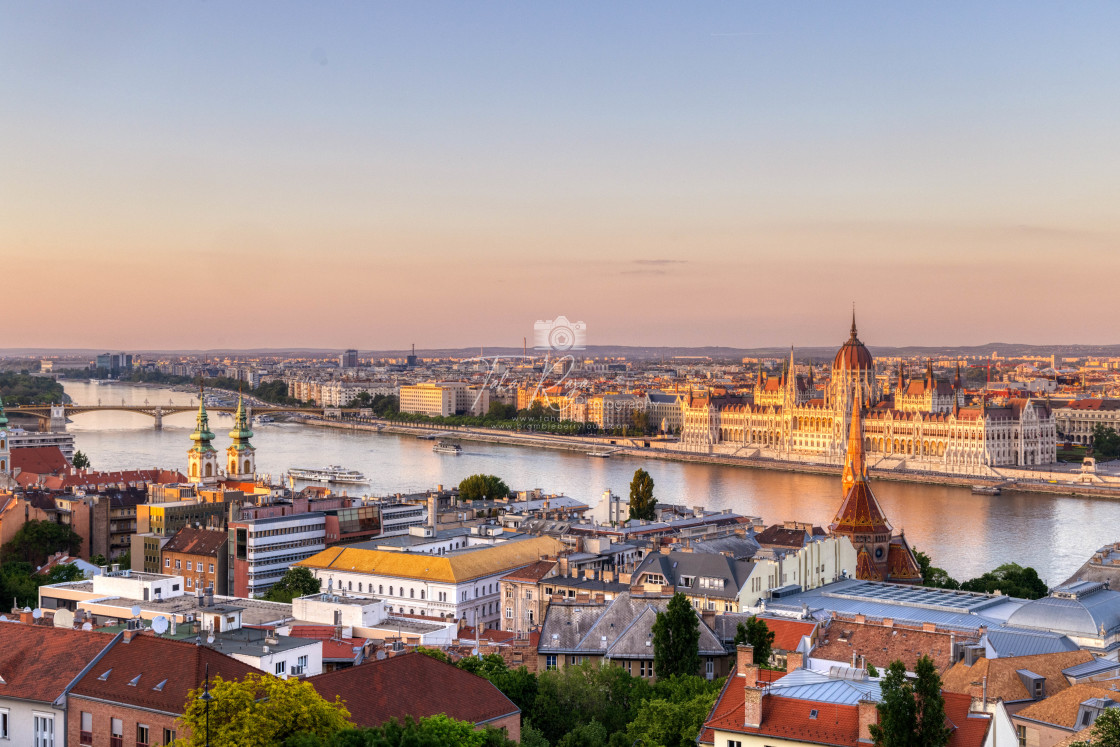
{"points": [[676, 639]]}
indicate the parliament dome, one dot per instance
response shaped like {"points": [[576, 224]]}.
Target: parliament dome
{"points": [[853, 355]]}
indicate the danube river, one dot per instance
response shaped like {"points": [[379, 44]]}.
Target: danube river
{"points": [[964, 533]]}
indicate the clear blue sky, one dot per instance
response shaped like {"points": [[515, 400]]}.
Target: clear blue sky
{"points": [[373, 174]]}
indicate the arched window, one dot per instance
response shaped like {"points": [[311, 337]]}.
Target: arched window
{"points": [[248, 469], [412, 593], [194, 470], [359, 587], [380, 589], [209, 470], [350, 586], [390, 591], [421, 593]]}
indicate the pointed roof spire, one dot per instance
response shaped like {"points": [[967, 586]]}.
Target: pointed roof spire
{"points": [[855, 467], [202, 435], [3, 416], [240, 432], [853, 320], [929, 371]]}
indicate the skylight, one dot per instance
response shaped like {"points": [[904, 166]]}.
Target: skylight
{"points": [[106, 675]]}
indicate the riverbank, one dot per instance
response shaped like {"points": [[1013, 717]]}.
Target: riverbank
{"points": [[627, 447]]}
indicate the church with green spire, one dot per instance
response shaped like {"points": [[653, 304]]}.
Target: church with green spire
{"points": [[202, 458], [241, 456], [5, 448]]}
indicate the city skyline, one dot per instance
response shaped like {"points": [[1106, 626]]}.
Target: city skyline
{"points": [[282, 175]]}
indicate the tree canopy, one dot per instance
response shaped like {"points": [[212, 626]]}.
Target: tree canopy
{"points": [[80, 460], [642, 503], [676, 639], [756, 633], [1011, 579], [431, 731], [37, 540], [24, 389], [477, 487], [296, 582], [1106, 442], [911, 712], [260, 711]]}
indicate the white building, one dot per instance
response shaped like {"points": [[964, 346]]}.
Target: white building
{"points": [[444, 398], [462, 585]]}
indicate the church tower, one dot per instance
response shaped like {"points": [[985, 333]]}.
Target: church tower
{"points": [[241, 460], [861, 518], [202, 459]]}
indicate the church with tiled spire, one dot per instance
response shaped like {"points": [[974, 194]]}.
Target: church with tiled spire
{"points": [[880, 555]]}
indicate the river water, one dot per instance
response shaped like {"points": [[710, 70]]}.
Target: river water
{"points": [[964, 533]]}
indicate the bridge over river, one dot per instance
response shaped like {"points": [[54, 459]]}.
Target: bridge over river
{"points": [[55, 417]]}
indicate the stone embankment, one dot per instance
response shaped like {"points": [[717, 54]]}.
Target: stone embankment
{"points": [[636, 447]]}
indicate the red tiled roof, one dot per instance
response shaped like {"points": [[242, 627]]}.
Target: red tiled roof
{"points": [[788, 633], [37, 662], [789, 718], [181, 664], [531, 573], [860, 513], [41, 460], [413, 685], [333, 648], [207, 542]]}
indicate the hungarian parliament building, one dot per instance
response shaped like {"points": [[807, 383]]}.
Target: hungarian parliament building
{"points": [[916, 423]]}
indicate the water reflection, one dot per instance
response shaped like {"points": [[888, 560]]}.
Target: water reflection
{"points": [[964, 533]]}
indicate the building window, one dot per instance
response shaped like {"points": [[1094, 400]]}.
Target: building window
{"points": [[44, 730], [116, 733], [168, 736], [302, 662], [189, 566], [509, 613], [142, 735], [1021, 733], [167, 562], [550, 661], [280, 667], [211, 567], [710, 668], [178, 564], [4, 723]]}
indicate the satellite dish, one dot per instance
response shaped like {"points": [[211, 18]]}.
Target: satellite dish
{"points": [[3, 618], [210, 638], [63, 618], [136, 610], [474, 652], [380, 655], [87, 626], [160, 625], [38, 613], [26, 609]]}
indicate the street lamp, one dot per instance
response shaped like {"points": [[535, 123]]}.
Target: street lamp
{"points": [[206, 697]]}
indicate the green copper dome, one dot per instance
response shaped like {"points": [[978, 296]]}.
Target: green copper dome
{"points": [[241, 433], [202, 435]]}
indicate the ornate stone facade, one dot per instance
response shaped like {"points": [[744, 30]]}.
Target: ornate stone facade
{"points": [[922, 424]]}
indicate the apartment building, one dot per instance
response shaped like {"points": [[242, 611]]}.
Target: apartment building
{"points": [[262, 550], [200, 556], [444, 398]]}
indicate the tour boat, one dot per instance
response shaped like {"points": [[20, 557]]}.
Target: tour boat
{"points": [[443, 447], [333, 473], [986, 489]]}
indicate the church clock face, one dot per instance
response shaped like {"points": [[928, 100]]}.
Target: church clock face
{"points": [[878, 553]]}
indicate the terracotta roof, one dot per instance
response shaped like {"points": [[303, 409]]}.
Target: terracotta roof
{"points": [[37, 662], [180, 667], [1062, 709], [197, 541], [860, 513], [833, 724], [41, 460], [1004, 682], [1077, 404], [413, 685], [788, 633], [880, 645], [531, 573], [334, 649]]}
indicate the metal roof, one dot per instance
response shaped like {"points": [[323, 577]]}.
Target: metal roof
{"points": [[805, 684], [1007, 641], [1089, 668]]}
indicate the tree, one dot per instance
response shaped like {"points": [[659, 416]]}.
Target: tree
{"points": [[1011, 579], [37, 540], [62, 573], [898, 710], [477, 487], [758, 635], [98, 560], [80, 460], [931, 731], [933, 576], [1106, 442], [296, 582], [1106, 730], [640, 420], [432, 731], [569, 697], [675, 711], [676, 639], [642, 503], [260, 711]]}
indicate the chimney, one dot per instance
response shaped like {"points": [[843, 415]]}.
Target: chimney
{"points": [[888, 622], [752, 706], [929, 627], [795, 660], [129, 634], [744, 661], [976, 692], [861, 618], [210, 596], [868, 715]]}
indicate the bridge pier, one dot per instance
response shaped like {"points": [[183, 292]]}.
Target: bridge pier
{"points": [[57, 422], [159, 418]]}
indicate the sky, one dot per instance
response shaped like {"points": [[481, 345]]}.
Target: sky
{"points": [[374, 174]]}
